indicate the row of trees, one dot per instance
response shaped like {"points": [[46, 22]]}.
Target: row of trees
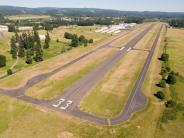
{"points": [[77, 41], [28, 45], [169, 77], [176, 22]]}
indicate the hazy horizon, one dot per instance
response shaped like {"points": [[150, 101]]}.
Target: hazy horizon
{"points": [[123, 5]]}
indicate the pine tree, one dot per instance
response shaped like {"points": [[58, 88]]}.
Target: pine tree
{"points": [[47, 41], [28, 57], [75, 41], [38, 52], [13, 50]]}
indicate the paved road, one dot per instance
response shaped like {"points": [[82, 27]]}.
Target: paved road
{"points": [[68, 102]]}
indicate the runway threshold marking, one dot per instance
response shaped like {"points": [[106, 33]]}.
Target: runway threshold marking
{"points": [[62, 104]]}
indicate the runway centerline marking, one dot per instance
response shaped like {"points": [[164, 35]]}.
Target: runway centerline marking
{"points": [[122, 48]]}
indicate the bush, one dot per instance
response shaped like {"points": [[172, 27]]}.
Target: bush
{"points": [[170, 104], [162, 84], [171, 79], [9, 72], [168, 115], [2, 61], [160, 95], [68, 35], [165, 57], [90, 40]]}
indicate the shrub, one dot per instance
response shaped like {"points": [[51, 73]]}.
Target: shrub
{"points": [[160, 95], [68, 35], [171, 79], [90, 40], [165, 57], [9, 72], [170, 104], [162, 84], [2, 61], [168, 115]]}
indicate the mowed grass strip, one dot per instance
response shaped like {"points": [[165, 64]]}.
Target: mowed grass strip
{"points": [[110, 95], [56, 84]]}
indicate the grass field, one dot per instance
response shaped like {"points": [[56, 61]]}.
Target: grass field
{"points": [[112, 92], [19, 119], [174, 128], [53, 54], [117, 85], [28, 16], [48, 89]]}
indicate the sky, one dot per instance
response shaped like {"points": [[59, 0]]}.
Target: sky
{"points": [[128, 5]]}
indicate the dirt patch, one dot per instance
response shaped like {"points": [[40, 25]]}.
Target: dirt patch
{"points": [[65, 134]]}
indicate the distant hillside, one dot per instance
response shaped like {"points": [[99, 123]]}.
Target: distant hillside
{"points": [[10, 10]]}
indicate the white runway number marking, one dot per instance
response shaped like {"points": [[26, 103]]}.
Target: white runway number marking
{"points": [[62, 104]]}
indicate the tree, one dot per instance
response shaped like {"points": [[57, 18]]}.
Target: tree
{"points": [[11, 28], [165, 57], [2, 61], [170, 104], [13, 50], [162, 84], [28, 57], [9, 72], [171, 79], [90, 40], [21, 48], [38, 52], [68, 35], [47, 41], [160, 95], [75, 41]]}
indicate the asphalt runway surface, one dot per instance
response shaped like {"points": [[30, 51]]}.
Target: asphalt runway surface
{"points": [[69, 100]]}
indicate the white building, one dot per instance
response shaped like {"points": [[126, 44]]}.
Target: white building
{"points": [[25, 28], [3, 28], [115, 28]]}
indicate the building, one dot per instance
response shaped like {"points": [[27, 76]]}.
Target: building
{"points": [[3, 28], [25, 28]]}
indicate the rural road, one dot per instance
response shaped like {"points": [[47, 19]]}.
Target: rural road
{"points": [[68, 101]]}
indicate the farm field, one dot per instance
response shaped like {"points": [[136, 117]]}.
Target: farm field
{"points": [[28, 16]]}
